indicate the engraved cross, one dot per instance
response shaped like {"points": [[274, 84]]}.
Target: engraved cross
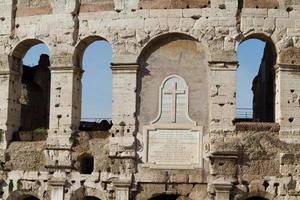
{"points": [[174, 92]]}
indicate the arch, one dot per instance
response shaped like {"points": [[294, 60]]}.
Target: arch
{"points": [[81, 47], [90, 198], [82, 192], [165, 197], [263, 85], [257, 35], [30, 90], [163, 36], [20, 195], [21, 47], [86, 163], [90, 105], [258, 195]]}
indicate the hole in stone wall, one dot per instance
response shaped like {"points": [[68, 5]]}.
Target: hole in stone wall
{"points": [[86, 164], [289, 9], [96, 87], [255, 81], [35, 89]]}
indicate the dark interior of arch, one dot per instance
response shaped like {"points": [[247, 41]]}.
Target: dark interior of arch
{"points": [[165, 197], [35, 95], [30, 198], [90, 198], [86, 164], [256, 198], [263, 87]]}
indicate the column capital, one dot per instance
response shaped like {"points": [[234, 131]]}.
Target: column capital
{"points": [[124, 67], [223, 66], [56, 182], [287, 67], [222, 185], [122, 183], [57, 69]]}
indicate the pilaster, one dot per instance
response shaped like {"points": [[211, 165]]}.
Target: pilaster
{"points": [[288, 101], [124, 93], [65, 109], [10, 107], [122, 189], [222, 95], [222, 189], [57, 188]]}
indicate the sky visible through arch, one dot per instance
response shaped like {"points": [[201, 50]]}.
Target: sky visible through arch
{"points": [[97, 78]]}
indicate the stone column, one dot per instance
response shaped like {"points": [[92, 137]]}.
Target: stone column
{"points": [[288, 101], [57, 189], [222, 95], [124, 93], [122, 142], [222, 189], [122, 190], [64, 113], [10, 107]]}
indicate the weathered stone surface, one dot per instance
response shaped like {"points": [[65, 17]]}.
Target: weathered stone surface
{"points": [[152, 40]]}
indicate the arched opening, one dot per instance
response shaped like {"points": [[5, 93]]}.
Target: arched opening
{"points": [[165, 197], [256, 81], [90, 198], [17, 195], [256, 198], [87, 193], [94, 56], [30, 198], [86, 164], [30, 87]]}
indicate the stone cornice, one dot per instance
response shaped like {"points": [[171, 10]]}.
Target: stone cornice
{"points": [[124, 67], [287, 67]]}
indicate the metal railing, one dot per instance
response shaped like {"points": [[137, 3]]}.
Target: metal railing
{"points": [[244, 113], [97, 120]]}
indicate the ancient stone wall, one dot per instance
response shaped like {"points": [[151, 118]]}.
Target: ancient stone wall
{"points": [[187, 46]]}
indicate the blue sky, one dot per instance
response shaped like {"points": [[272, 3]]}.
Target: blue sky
{"points": [[250, 55], [97, 78]]}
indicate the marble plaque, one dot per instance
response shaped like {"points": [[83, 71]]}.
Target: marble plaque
{"points": [[174, 147]]}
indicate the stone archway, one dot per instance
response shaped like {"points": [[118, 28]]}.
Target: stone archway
{"points": [[90, 198], [165, 197], [256, 198], [30, 198], [86, 193], [18, 195]]}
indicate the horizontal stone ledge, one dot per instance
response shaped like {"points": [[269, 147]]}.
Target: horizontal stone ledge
{"points": [[124, 67], [288, 67], [65, 68]]}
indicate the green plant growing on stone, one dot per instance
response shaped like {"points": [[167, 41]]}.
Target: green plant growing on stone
{"points": [[19, 184], [41, 131], [73, 139], [10, 186]]}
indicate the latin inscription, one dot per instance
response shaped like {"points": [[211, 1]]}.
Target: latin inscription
{"points": [[174, 147]]}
